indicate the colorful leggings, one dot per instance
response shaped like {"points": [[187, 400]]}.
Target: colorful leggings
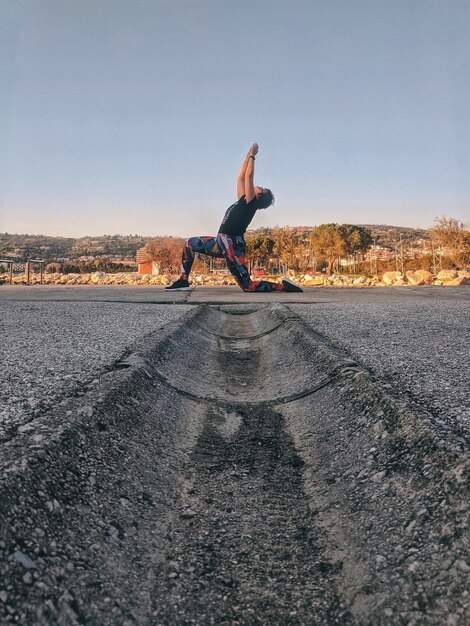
{"points": [[231, 248]]}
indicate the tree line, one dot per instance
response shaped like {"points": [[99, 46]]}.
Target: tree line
{"points": [[318, 248]]}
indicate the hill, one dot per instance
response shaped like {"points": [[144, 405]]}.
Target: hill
{"points": [[124, 247]]}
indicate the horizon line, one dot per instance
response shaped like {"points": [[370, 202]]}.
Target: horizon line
{"points": [[182, 236]]}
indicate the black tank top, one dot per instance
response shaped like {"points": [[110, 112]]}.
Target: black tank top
{"points": [[238, 217]]}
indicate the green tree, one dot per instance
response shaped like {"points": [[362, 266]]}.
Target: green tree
{"points": [[289, 247], [330, 241], [259, 249], [357, 238]]}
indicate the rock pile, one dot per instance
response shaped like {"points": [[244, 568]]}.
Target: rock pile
{"points": [[409, 278]]}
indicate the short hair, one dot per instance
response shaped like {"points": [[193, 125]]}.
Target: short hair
{"points": [[265, 199]]}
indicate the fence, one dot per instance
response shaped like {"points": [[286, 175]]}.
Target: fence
{"points": [[27, 267]]}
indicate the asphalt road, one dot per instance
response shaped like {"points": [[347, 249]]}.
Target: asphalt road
{"points": [[57, 339], [223, 295], [171, 463]]}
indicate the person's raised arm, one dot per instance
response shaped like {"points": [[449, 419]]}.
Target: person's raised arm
{"points": [[249, 160]]}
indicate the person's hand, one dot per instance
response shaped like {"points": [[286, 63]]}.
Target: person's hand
{"points": [[254, 149]]}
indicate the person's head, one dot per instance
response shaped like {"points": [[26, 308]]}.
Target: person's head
{"points": [[264, 197]]}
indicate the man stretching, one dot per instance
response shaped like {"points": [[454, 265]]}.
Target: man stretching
{"points": [[229, 243]]}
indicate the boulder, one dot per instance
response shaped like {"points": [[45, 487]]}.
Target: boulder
{"points": [[97, 277], [309, 280], [445, 275], [413, 279], [424, 276], [463, 277], [314, 281], [389, 278], [456, 282], [360, 280]]}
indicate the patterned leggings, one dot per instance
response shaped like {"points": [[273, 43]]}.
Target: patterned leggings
{"points": [[231, 248]]}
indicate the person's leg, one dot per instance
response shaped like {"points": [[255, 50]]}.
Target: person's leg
{"points": [[233, 249], [203, 245]]}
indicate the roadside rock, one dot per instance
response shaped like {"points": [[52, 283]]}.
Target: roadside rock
{"points": [[97, 277], [462, 278], [360, 280], [424, 276], [414, 278], [446, 275], [390, 278]]}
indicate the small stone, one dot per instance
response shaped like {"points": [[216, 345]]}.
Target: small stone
{"points": [[173, 575], [388, 612], [463, 566], [53, 505], [24, 560], [67, 610], [112, 533], [173, 565], [378, 476], [3, 596], [188, 514], [410, 526], [25, 428], [28, 578], [86, 411]]}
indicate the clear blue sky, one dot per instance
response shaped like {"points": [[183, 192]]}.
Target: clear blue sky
{"points": [[133, 116]]}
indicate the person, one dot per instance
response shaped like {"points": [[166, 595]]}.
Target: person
{"points": [[230, 244]]}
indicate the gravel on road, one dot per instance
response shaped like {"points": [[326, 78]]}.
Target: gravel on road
{"points": [[50, 349], [240, 469], [420, 348]]}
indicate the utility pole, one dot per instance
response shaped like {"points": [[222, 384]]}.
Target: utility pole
{"points": [[373, 259], [436, 259], [401, 254]]}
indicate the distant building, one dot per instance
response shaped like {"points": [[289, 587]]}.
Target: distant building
{"points": [[145, 264]]}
